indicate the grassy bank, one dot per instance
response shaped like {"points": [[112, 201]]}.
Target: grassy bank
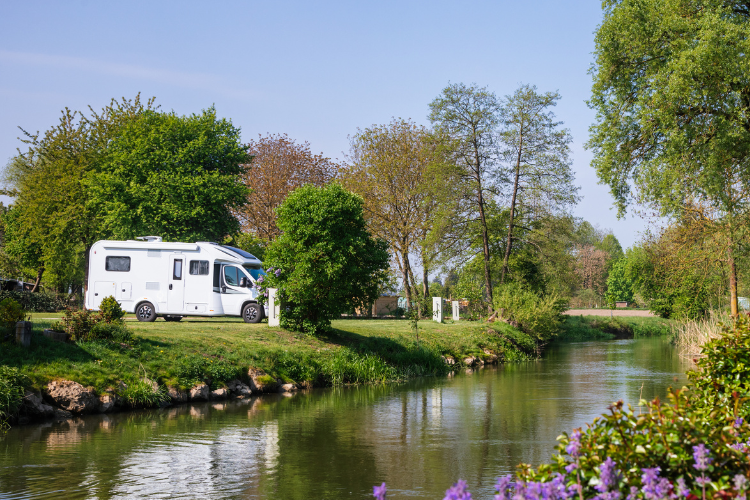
{"points": [[601, 327], [220, 349]]}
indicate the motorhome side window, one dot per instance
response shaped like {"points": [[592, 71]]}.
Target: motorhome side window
{"points": [[177, 271], [230, 276], [120, 264], [199, 267]]}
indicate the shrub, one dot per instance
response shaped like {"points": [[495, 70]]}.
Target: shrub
{"points": [[11, 313], [539, 316], [329, 263], [192, 370], [36, 301], [78, 323], [110, 310], [349, 367], [11, 393], [116, 332]]}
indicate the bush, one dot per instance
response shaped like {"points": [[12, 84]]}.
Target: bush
{"points": [[11, 393], [110, 310], [11, 313], [116, 332], [37, 301], [78, 323], [192, 370], [329, 264], [539, 316]]}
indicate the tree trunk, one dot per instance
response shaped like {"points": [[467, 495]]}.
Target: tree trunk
{"points": [[425, 277], [486, 250], [39, 273], [509, 243], [405, 276], [733, 302]]}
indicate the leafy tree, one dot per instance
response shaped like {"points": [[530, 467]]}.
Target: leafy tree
{"points": [[329, 264], [389, 166], [537, 152], [619, 284], [469, 116], [672, 95], [279, 165], [175, 176]]}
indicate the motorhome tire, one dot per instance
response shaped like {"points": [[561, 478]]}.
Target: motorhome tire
{"points": [[145, 312], [172, 318], [252, 313]]}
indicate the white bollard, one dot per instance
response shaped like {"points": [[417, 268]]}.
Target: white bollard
{"points": [[455, 310], [437, 309], [274, 307]]}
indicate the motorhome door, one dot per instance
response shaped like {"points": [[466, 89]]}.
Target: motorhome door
{"points": [[176, 288]]}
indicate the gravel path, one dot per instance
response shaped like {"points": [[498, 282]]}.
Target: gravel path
{"points": [[607, 312]]}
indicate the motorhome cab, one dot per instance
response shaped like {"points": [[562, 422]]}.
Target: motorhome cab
{"points": [[153, 278]]}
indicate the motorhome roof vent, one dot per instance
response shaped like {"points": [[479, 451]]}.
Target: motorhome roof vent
{"points": [[150, 239]]}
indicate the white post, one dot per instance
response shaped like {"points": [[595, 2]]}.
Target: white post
{"points": [[437, 309], [274, 308], [455, 310]]}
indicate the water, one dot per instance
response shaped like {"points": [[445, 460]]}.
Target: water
{"points": [[336, 443]]}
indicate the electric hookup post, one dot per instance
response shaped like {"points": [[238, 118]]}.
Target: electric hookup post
{"points": [[437, 309], [274, 307]]}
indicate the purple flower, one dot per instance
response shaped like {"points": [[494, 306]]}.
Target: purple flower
{"points": [[703, 480], [574, 445], [608, 477], [700, 455], [655, 487], [379, 492], [458, 491], [268, 271], [571, 467], [277, 272], [740, 482], [503, 487], [260, 279], [633, 495], [738, 422], [682, 489]]}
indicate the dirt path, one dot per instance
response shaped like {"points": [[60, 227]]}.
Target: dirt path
{"points": [[607, 312]]}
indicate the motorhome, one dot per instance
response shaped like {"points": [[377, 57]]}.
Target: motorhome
{"points": [[153, 278]]}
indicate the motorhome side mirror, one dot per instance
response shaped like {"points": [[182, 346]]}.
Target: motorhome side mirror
{"points": [[243, 282]]}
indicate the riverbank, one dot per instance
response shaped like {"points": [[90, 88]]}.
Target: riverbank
{"points": [[597, 327], [165, 362]]}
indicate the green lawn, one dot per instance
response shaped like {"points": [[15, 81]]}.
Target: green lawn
{"points": [[224, 348]]}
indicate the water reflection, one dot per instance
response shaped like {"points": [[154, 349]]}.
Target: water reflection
{"points": [[419, 437]]}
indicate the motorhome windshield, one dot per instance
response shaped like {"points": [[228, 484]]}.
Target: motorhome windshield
{"points": [[239, 252], [254, 271]]}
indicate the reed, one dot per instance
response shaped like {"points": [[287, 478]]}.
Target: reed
{"points": [[689, 336]]}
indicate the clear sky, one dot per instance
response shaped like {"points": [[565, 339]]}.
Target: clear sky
{"points": [[314, 70]]}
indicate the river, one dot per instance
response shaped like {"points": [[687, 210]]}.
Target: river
{"points": [[419, 437]]}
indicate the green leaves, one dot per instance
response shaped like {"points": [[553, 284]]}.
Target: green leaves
{"points": [[329, 262]]}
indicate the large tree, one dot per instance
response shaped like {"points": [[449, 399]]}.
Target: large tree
{"points": [[536, 152], [279, 165], [672, 95], [174, 176], [389, 166], [469, 115]]}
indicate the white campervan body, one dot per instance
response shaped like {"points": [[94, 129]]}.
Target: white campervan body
{"points": [[155, 278]]}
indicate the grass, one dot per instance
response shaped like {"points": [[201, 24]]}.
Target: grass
{"points": [[690, 336], [601, 327], [219, 349]]}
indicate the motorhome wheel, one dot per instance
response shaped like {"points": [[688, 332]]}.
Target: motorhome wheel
{"points": [[145, 312], [252, 313]]}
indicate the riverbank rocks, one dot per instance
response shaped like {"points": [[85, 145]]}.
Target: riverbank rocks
{"points": [[108, 402], [287, 388], [199, 392], [238, 389], [34, 406], [262, 382], [491, 357], [177, 395], [71, 396], [448, 360], [469, 361], [220, 393]]}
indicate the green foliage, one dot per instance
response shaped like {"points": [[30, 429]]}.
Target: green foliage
{"points": [[537, 315], [78, 323], [37, 301], [329, 262], [12, 384], [110, 310], [142, 394], [249, 243], [102, 330], [619, 286], [194, 369], [176, 176], [11, 313], [349, 367], [723, 375]]}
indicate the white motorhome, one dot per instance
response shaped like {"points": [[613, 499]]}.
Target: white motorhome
{"points": [[154, 278]]}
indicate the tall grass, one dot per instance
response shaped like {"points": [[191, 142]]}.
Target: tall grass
{"points": [[11, 393], [690, 336]]}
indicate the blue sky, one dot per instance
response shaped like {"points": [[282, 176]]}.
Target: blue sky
{"points": [[314, 70]]}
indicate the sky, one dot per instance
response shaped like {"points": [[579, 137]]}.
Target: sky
{"points": [[316, 71]]}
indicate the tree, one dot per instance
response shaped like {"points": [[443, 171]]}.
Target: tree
{"points": [[469, 115], [591, 267], [175, 176], [672, 95], [619, 284], [279, 165], [48, 181], [329, 264], [389, 167], [537, 152]]}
